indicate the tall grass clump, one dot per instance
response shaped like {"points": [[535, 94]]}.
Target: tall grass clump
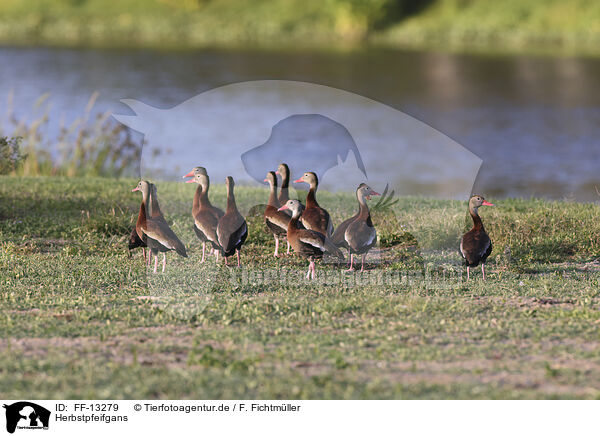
{"points": [[91, 145]]}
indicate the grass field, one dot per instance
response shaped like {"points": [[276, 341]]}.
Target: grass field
{"points": [[80, 319]]}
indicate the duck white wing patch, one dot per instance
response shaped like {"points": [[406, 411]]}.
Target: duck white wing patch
{"points": [[304, 223], [204, 229], [278, 221], [159, 238], [315, 242]]}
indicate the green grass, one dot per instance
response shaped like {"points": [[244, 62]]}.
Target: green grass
{"points": [[515, 25], [90, 322]]}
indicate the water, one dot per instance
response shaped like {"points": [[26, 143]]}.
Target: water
{"points": [[534, 121]]}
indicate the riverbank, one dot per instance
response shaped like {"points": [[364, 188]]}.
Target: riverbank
{"points": [[545, 26]]}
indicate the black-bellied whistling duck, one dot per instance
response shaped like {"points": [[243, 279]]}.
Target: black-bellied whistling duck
{"points": [[476, 245], [357, 234], [141, 222], [159, 235], [153, 246], [206, 216], [275, 220], [309, 244], [284, 171], [314, 216], [232, 229], [135, 240]]}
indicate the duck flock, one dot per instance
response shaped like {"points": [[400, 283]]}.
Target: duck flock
{"points": [[308, 229]]}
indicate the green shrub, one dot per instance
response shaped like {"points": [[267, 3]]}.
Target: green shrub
{"points": [[10, 154]]}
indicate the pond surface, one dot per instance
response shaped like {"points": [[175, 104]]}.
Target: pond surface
{"points": [[534, 121]]}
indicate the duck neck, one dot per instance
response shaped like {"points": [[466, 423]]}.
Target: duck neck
{"points": [[293, 224], [273, 196], [147, 203], [477, 224], [142, 215], [203, 200], [231, 206], [284, 193], [363, 209], [196, 203], [285, 180], [311, 197], [154, 207]]}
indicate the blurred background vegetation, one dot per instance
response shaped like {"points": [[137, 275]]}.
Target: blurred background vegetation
{"points": [[90, 145], [572, 25]]}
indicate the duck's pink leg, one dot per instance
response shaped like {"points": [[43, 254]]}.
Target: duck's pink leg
{"points": [[155, 262], [483, 270], [362, 263], [164, 261], [468, 273], [312, 264], [288, 248], [276, 254], [351, 263]]}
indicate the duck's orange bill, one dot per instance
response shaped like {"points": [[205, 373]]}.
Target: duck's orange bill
{"points": [[299, 180], [284, 207], [265, 180], [137, 188], [190, 181], [486, 203], [190, 174]]}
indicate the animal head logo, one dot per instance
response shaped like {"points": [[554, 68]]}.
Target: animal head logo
{"points": [[26, 415], [309, 141], [248, 128]]}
